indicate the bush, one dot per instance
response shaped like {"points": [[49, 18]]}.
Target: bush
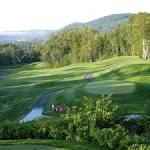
{"points": [[40, 129], [139, 147], [102, 113], [138, 126], [99, 121], [109, 138]]}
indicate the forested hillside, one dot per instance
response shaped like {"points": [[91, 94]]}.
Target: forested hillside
{"points": [[19, 52], [84, 44], [87, 45], [104, 24]]}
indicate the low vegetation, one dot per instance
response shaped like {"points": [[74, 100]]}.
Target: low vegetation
{"points": [[99, 122]]}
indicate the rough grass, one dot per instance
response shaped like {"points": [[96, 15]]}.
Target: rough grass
{"points": [[21, 86]]}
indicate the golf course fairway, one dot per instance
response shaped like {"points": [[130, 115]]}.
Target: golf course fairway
{"points": [[109, 87]]}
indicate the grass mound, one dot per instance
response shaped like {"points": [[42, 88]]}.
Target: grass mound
{"points": [[109, 87]]}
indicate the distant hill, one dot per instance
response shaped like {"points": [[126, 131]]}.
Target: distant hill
{"points": [[104, 24], [30, 35]]}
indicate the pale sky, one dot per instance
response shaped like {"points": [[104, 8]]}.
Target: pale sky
{"points": [[54, 14]]}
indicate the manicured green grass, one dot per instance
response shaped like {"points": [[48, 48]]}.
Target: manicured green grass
{"points": [[44, 145], [29, 147], [109, 87], [21, 86]]}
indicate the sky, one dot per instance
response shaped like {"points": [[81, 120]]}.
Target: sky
{"points": [[18, 15]]}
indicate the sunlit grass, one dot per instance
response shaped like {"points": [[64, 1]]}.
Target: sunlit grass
{"points": [[44, 145], [21, 86], [109, 87]]}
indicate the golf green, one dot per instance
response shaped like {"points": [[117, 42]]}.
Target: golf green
{"points": [[109, 87]]}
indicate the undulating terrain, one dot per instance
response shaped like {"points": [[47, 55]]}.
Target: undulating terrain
{"points": [[83, 87], [127, 78]]}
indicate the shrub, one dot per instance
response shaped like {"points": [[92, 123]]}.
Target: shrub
{"points": [[99, 121], [139, 147], [102, 113], [109, 138]]}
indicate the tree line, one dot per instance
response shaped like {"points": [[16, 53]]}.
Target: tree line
{"points": [[83, 45], [87, 45], [19, 52]]}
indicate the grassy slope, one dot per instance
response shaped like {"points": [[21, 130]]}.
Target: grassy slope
{"points": [[29, 147], [44, 145], [21, 86]]}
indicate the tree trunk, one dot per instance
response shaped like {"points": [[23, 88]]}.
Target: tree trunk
{"points": [[145, 49]]}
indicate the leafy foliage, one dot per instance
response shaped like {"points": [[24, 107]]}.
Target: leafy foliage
{"points": [[95, 121], [83, 44], [88, 45], [101, 113], [110, 138], [139, 147], [19, 52]]}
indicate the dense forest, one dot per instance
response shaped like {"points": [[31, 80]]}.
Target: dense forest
{"points": [[19, 52], [87, 45], [83, 44]]}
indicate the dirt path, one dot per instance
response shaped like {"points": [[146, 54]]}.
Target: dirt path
{"points": [[45, 98], [37, 111]]}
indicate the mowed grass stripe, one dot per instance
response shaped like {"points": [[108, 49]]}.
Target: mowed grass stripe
{"points": [[109, 87], [29, 147], [21, 86]]}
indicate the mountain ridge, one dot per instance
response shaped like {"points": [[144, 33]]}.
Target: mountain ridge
{"points": [[103, 24]]}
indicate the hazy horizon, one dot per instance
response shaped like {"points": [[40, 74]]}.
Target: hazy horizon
{"points": [[19, 31], [23, 15]]}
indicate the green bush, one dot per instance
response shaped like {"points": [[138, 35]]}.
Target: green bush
{"points": [[40, 129], [96, 121], [109, 138], [139, 147], [140, 127], [102, 112]]}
